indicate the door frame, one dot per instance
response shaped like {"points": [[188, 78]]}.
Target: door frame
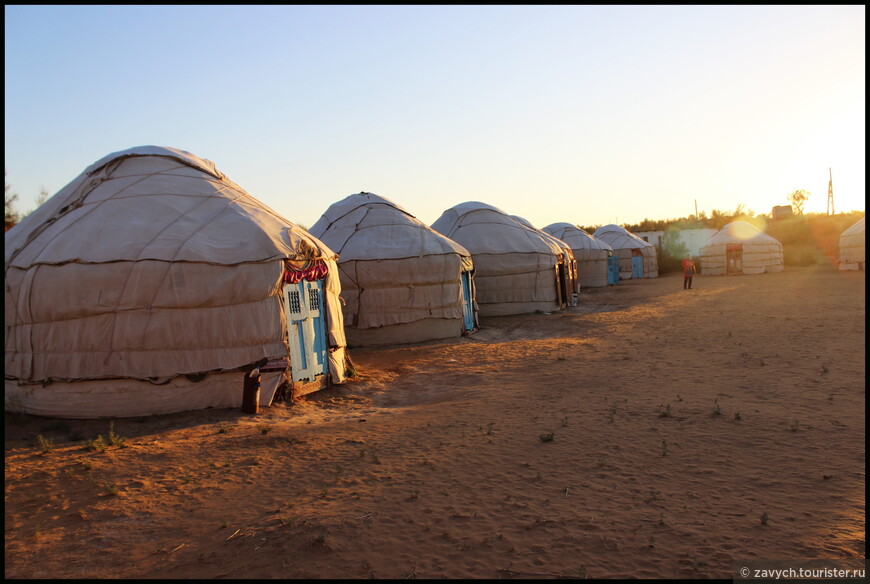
{"points": [[306, 329], [467, 284], [734, 259], [636, 266]]}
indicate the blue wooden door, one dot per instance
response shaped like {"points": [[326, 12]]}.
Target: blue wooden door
{"points": [[637, 266], [612, 270], [306, 329], [467, 301]]}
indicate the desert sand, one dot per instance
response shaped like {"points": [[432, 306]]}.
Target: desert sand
{"points": [[649, 432]]}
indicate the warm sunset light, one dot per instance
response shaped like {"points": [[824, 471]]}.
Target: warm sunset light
{"points": [[585, 114], [439, 292], [743, 231]]}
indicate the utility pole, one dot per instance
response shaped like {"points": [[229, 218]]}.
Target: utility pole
{"points": [[830, 192], [696, 209]]}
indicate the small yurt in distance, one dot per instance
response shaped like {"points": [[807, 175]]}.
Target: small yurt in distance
{"points": [[153, 284], [570, 262], [402, 281], [637, 258], [852, 247], [590, 253], [517, 270], [740, 248]]}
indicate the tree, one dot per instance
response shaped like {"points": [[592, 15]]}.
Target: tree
{"points": [[12, 216], [673, 250], [41, 197], [718, 219], [797, 200]]}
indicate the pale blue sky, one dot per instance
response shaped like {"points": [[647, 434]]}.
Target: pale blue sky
{"points": [[584, 114]]}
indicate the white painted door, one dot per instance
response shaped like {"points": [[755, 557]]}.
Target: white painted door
{"points": [[306, 330]]}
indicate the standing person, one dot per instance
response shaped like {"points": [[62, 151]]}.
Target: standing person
{"points": [[688, 272]]}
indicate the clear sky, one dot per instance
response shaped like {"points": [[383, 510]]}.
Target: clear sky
{"points": [[584, 114]]}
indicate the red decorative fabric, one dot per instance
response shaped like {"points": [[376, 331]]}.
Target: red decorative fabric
{"points": [[314, 270]]}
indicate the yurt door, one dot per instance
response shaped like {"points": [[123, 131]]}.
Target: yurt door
{"points": [[562, 283], [734, 259], [612, 270], [467, 301], [636, 266], [306, 329]]}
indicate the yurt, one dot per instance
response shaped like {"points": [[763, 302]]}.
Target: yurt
{"points": [[637, 258], [590, 253], [572, 278], [517, 270], [852, 247], [153, 284], [740, 248], [402, 281]]}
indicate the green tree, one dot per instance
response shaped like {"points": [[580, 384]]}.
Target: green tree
{"points": [[797, 200], [718, 219], [673, 250]]}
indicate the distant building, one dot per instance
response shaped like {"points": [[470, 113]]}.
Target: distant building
{"points": [[695, 238], [781, 212], [692, 238], [653, 237], [741, 248]]}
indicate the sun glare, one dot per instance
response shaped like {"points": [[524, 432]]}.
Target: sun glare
{"points": [[743, 230]]}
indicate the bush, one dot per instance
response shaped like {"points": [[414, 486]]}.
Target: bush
{"points": [[800, 255], [810, 239]]}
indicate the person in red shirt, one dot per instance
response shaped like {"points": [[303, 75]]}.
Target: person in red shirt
{"points": [[688, 272]]}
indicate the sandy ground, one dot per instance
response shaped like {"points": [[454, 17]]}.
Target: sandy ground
{"points": [[649, 432]]}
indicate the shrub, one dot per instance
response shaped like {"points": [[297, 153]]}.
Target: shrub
{"points": [[45, 444], [99, 443]]}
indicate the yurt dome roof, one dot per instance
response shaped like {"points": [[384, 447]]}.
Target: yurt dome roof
{"points": [[368, 226]]}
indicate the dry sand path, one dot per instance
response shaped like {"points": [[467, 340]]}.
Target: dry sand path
{"points": [[643, 433]]}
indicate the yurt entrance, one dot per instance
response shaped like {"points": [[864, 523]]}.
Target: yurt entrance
{"points": [[562, 284], [306, 329], [612, 270], [636, 263], [467, 301], [573, 282], [734, 259]]}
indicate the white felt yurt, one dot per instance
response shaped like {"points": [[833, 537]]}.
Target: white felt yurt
{"points": [[740, 248], [637, 258], [852, 247], [590, 253], [517, 270], [151, 284], [572, 278], [402, 281]]}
